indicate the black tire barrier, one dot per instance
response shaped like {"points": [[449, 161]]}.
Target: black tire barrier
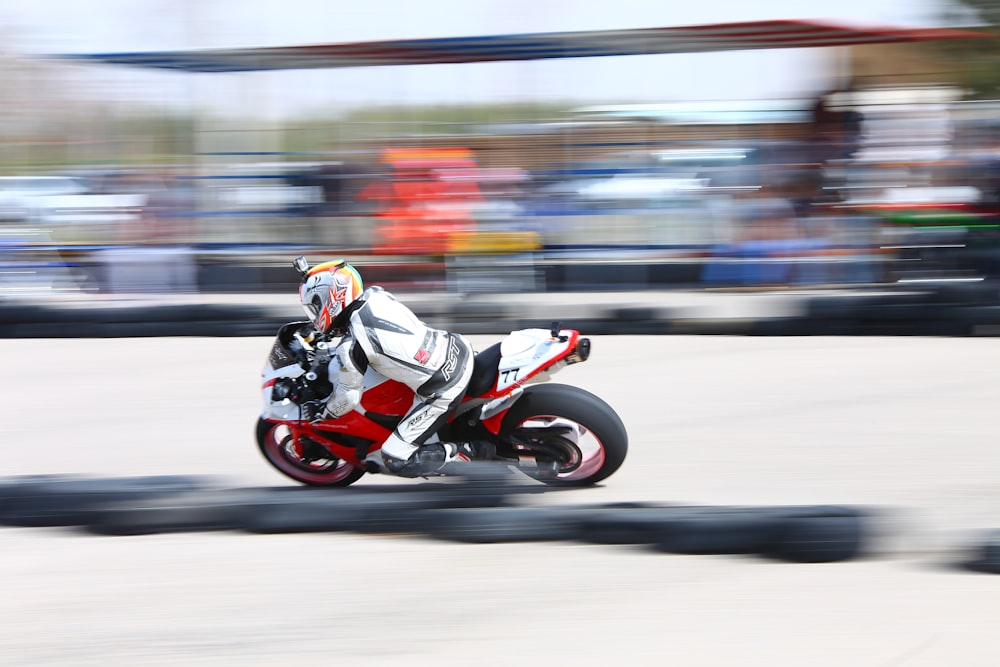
{"points": [[726, 326], [197, 511], [503, 524], [66, 500], [780, 326], [592, 326], [628, 525], [638, 314], [946, 327], [977, 315], [487, 484], [469, 510], [946, 310], [985, 293], [385, 511], [839, 307], [871, 308], [642, 327], [26, 312], [905, 314], [871, 305], [686, 530], [302, 510], [138, 321], [641, 320], [722, 533], [985, 554], [795, 534], [337, 511], [387, 518], [292, 510], [821, 534], [901, 312]]}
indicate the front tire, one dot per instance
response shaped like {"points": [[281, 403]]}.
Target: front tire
{"points": [[563, 418], [292, 459]]}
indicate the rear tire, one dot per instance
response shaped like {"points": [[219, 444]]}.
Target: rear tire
{"points": [[278, 447], [601, 439]]}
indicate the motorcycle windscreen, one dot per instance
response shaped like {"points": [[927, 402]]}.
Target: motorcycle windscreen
{"points": [[286, 349]]}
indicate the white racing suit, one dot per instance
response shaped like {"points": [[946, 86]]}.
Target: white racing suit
{"points": [[383, 333]]}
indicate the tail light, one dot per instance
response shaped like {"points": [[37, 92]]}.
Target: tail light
{"points": [[580, 353]]}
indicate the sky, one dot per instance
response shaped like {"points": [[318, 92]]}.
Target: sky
{"points": [[72, 26]]}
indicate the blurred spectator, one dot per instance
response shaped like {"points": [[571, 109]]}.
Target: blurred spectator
{"points": [[777, 237], [156, 255], [835, 133], [766, 215], [169, 211]]}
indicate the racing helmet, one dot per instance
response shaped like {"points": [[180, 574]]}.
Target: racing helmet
{"points": [[327, 289]]}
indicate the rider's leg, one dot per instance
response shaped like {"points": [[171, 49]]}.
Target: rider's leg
{"points": [[406, 452]]}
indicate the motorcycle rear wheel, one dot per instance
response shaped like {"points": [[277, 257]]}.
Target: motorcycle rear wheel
{"points": [[578, 430], [290, 458]]}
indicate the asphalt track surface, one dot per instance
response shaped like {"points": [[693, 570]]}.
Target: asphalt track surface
{"points": [[905, 426]]}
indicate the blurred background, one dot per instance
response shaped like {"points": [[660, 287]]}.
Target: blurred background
{"points": [[846, 165]]}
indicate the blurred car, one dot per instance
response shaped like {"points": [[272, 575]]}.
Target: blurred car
{"points": [[67, 210], [265, 188], [654, 178], [63, 200], [23, 198]]}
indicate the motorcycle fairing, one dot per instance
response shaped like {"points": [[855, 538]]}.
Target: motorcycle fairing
{"points": [[384, 396], [526, 356], [526, 353], [353, 426]]}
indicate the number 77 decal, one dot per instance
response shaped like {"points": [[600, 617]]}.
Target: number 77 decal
{"points": [[507, 377]]}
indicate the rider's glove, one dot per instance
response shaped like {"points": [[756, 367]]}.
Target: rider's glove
{"points": [[312, 411]]}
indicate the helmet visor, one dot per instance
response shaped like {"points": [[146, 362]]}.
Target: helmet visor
{"points": [[313, 308]]}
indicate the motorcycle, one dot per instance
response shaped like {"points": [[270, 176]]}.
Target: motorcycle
{"points": [[558, 434]]}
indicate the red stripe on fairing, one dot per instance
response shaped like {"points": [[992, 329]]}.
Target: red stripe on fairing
{"points": [[269, 383], [354, 423]]}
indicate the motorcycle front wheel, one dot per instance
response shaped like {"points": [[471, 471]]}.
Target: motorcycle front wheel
{"points": [[565, 436], [305, 462]]}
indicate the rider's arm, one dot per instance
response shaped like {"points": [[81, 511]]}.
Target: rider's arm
{"points": [[346, 371]]}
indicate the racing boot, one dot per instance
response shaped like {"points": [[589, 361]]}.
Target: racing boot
{"points": [[463, 452], [437, 458], [460, 454]]}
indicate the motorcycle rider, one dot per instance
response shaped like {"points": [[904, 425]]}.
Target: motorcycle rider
{"points": [[381, 332]]}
